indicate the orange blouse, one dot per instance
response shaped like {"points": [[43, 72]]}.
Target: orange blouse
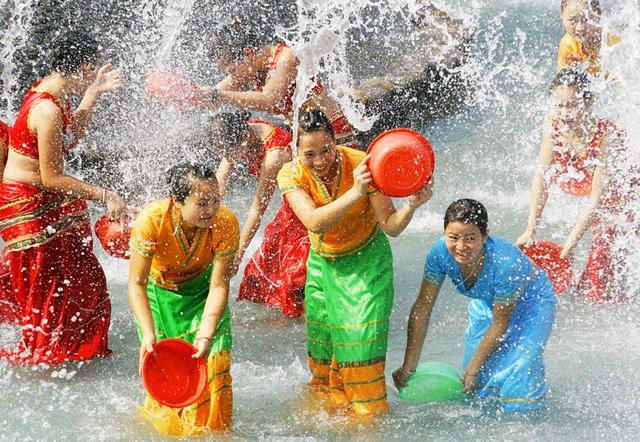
{"points": [[358, 227], [571, 52]]}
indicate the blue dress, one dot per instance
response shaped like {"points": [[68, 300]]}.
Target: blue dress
{"points": [[514, 373]]}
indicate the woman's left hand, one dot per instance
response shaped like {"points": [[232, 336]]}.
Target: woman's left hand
{"points": [[469, 381], [107, 80], [422, 196], [203, 345]]}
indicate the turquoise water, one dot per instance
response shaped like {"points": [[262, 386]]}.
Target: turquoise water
{"points": [[486, 152]]}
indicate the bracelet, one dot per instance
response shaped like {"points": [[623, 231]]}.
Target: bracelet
{"points": [[104, 196], [405, 371], [413, 207], [203, 337]]}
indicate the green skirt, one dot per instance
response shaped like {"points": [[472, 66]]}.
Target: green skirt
{"points": [[348, 302], [178, 314]]}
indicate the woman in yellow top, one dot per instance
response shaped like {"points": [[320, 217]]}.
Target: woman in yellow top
{"points": [[349, 289], [182, 251], [583, 37]]}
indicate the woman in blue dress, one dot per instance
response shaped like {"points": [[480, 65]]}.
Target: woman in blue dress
{"points": [[510, 316]]}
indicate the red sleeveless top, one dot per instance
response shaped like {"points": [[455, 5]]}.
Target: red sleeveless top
{"points": [[573, 173], [285, 103], [22, 139], [277, 138]]}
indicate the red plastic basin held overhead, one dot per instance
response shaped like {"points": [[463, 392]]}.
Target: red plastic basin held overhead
{"points": [[402, 162], [547, 256], [172, 376]]}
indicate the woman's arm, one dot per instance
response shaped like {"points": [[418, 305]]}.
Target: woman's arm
{"points": [[215, 305], [490, 342], [320, 219], [273, 162], [106, 80], [46, 119], [539, 190], [416, 331], [393, 221], [273, 91], [139, 268], [222, 175]]}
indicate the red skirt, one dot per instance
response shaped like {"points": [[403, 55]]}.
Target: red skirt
{"points": [[51, 284], [277, 271]]}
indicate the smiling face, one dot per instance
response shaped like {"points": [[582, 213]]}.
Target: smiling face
{"points": [[464, 242], [579, 20], [202, 204], [569, 108], [317, 152]]}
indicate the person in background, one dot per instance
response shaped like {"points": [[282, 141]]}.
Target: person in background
{"points": [[182, 251], [275, 275], [52, 285]]}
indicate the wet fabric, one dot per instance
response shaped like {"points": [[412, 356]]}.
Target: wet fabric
{"points": [[178, 314], [514, 373], [51, 284], [343, 131], [23, 140], [277, 138], [4, 134], [276, 273], [157, 233], [348, 302], [571, 53], [357, 228]]}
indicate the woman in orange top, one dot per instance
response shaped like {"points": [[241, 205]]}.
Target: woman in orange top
{"points": [[276, 273], [583, 37], [55, 289], [586, 157], [182, 249], [262, 77], [349, 289]]}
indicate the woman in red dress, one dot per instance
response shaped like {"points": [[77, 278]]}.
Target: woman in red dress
{"points": [[4, 145], [276, 273], [51, 283], [586, 157]]}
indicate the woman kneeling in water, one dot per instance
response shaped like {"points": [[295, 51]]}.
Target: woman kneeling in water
{"points": [[510, 316]]}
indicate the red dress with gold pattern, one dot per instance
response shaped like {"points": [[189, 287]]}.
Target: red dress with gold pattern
{"points": [[51, 284], [277, 271], [601, 279]]}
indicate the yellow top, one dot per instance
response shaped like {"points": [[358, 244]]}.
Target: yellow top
{"points": [[358, 227], [157, 233], [571, 52]]}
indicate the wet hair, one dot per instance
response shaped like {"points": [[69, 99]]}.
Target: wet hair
{"points": [[314, 120], [227, 128], [74, 50], [573, 77], [180, 178], [230, 41], [594, 5], [467, 211]]}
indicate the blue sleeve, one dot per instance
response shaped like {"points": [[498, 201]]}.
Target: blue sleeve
{"points": [[436, 263], [513, 275]]}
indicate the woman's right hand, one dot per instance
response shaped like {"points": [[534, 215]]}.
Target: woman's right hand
{"points": [[526, 239], [362, 177], [117, 209], [401, 377], [146, 346]]}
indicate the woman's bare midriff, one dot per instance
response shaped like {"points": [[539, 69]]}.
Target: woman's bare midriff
{"points": [[22, 169]]}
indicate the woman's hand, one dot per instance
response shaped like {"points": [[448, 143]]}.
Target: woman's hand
{"points": [[362, 177], [117, 209], [146, 346], [203, 344], [107, 80], [401, 377], [526, 239], [469, 381], [422, 196]]}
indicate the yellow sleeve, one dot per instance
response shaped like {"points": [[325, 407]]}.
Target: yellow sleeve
{"points": [[144, 236], [287, 181], [568, 52], [230, 236]]}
